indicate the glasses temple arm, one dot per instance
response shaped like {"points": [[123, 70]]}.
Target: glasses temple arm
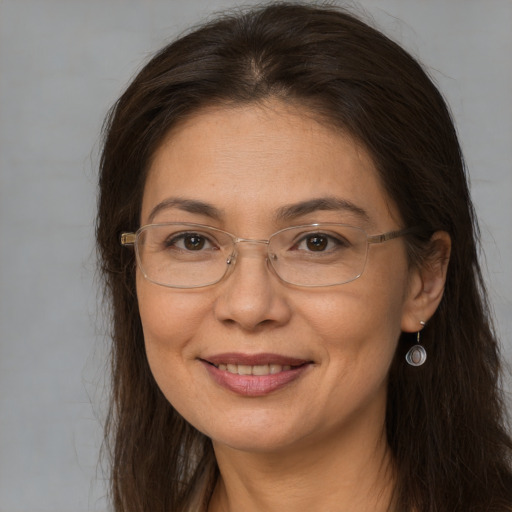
{"points": [[384, 237], [128, 238]]}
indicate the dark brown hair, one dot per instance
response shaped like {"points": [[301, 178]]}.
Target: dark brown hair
{"points": [[445, 420]]}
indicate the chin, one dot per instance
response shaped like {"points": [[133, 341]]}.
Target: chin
{"points": [[263, 443], [256, 435]]}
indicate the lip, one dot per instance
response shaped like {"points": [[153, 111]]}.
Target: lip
{"points": [[254, 359], [254, 385]]}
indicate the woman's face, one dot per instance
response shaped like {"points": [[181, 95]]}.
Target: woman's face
{"points": [[245, 165]]}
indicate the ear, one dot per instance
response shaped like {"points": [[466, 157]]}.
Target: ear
{"points": [[426, 283]]}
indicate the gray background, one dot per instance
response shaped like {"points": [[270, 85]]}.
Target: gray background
{"points": [[62, 64]]}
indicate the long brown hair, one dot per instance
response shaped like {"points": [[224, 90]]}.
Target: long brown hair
{"points": [[445, 420]]}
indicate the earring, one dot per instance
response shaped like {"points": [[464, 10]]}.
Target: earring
{"points": [[417, 354]]}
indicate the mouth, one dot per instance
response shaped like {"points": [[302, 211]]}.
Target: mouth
{"points": [[258, 369], [254, 375]]}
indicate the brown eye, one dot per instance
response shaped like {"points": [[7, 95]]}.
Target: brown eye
{"points": [[194, 242], [189, 242], [317, 243], [320, 244]]}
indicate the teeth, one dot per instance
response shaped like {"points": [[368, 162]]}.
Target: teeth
{"points": [[244, 369], [276, 368], [259, 369]]}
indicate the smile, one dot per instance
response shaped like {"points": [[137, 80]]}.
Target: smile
{"points": [[254, 375], [259, 369]]}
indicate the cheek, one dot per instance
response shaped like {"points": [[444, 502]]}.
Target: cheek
{"points": [[359, 324], [360, 316], [357, 336], [168, 316], [170, 320]]}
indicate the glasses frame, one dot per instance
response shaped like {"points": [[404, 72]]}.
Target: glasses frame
{"points": [[129, 239]]}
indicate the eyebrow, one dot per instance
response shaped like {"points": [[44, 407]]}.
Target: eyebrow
{"points": [[186, 205], [285, 213], [292, 211]]}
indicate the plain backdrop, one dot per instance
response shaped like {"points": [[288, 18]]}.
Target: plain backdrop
{"points": [[62, 64]]}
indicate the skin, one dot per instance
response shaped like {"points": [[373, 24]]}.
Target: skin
{"points": [[318, 443]]}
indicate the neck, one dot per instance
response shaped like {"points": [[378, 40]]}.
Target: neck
{"points": [[348, 472]]}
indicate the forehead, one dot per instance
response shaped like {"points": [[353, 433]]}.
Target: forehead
{"points": [[246, 160]]}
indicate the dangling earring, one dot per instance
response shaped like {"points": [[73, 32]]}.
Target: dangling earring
{"points": [[417, 354]]}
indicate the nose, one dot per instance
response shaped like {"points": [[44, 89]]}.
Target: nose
{"points": [[251, 296]]}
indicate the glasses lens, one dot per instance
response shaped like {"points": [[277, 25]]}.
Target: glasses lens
{"points": [[320, 255], [183, 255], [190, 255]]}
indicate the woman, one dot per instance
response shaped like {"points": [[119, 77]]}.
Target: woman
{"points": [[299, 319]]}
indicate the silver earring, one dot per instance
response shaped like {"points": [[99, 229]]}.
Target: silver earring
{"points": [[417, 354]]}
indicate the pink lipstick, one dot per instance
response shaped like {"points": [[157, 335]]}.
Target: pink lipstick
{"points": [[254, 375]]}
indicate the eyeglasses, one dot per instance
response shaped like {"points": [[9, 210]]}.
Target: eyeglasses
{"points": [[185, 255]]}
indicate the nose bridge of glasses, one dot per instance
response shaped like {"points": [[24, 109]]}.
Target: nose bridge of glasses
{"points": [[254, 241], [247, 252]]}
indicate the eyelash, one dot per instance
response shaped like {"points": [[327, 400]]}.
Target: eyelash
{"points": [[338, 241], [172, 242], [332, 243]]}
